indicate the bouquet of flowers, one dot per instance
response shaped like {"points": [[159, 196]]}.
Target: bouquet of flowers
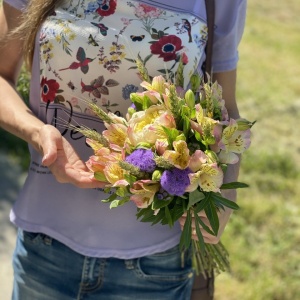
{"points": [[169, 156]]}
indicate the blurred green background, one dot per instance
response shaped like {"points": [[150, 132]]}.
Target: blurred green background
{"points": [[263, 237]]}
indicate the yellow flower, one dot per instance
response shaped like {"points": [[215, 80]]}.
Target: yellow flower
{"points": [[96, 146], [180, 157], [66, 30], [122, 55], [58, 38], [113, 172], [116, 134], [209, 178], [72, 36], [234, 140], [146, 126], [115, 57], [113, 48]]}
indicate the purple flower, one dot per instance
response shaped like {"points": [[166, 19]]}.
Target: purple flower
{"points": [[143, 159], [175, 181], [163, 195]]}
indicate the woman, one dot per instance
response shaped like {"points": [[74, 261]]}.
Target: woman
{"points": [[69, 245]]}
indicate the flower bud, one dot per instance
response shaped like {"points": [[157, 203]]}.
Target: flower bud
{"points": [[211, 156], [195, 82], [190, 99], [131, 111], [156, 175], [143, 145], [244, 124], [180, 137]]}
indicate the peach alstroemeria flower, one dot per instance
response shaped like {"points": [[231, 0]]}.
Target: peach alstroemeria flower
{"points": [[143, 192], [95, 145], [103, 156], [180, 156]]}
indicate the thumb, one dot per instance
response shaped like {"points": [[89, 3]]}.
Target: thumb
{"points": [[51, 141]]}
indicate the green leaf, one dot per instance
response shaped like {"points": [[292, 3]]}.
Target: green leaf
{"points": [[202, 204], [168, 216], [205, 227], [131, 60], [147, 58], [185, 239], [178, 210], [121, 191], [110, 198], [130, 178], [114, 204], [186, 125], [223, 201], [171, 133], [158, 203], [212, 216], [199, 222], [145, 214], [100, 176], [123, 201], [195, 197], [234, 185]]}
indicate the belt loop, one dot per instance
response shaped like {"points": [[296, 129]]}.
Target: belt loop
{"points": [[129, 264]]}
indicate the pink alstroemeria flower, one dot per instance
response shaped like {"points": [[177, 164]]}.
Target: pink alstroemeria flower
{"points": [[143, 192]]}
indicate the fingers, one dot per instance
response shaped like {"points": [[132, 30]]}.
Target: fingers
{"points": [[62, 160], [79, 178], [207, 237]]}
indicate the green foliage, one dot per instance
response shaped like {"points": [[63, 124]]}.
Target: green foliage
{"points": [[10, 143]]}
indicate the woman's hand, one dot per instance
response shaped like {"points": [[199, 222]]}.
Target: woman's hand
{"points": [[62, 160], [223, 215]]}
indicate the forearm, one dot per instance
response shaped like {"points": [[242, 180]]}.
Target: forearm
{"points": [[16, 117]]}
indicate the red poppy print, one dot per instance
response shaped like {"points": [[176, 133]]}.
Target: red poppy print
{"points": [[107, 8], [166, 47], [49, 89]]}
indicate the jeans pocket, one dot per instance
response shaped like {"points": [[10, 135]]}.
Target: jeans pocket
{"points": [[165, 266], [35, 238]]}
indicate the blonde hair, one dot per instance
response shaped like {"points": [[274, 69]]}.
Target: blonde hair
{"points": [[35, 13]]}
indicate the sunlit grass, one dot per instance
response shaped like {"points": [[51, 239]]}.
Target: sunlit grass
{"points": [[264, 236]]}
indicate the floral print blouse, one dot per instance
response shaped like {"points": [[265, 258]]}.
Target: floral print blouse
{"points": [[88, 51]]}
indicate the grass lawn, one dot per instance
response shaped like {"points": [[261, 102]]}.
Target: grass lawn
{"points": [[264, 236]]}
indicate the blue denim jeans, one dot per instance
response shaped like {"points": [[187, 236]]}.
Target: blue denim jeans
{"points": [[45, 269]]}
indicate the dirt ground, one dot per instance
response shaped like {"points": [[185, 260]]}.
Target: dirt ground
{"points": [[11, 179]]}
